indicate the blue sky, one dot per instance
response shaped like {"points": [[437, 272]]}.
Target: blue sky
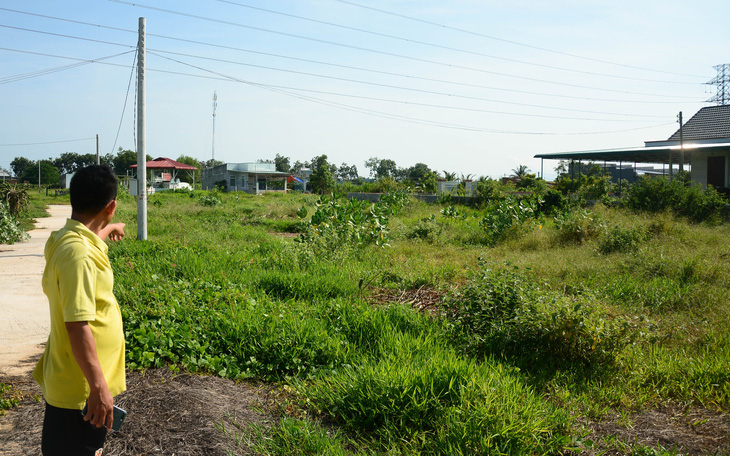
{"points": [[467, 86]]}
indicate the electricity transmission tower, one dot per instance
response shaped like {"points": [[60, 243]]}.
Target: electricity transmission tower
{"points": [[722, 81]]}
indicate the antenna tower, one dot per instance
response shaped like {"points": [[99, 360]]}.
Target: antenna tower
{"points": [[215, 105], [722, 81]]}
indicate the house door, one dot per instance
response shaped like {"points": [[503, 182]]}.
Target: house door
{"points": [[716, 171]]}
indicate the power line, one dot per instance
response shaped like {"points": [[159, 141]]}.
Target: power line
{"points": [[517, 43], [34, 74], [394, 116], [354, 67], [391, 54], [449, 48], [48, 142], [229, 78], [431, 92], [126, 97], [66, 36]]}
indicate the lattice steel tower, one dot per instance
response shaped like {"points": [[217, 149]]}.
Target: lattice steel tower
{"points": [[722, 81]]}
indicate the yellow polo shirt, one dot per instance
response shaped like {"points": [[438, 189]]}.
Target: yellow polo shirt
{"points": [[78, 281]]}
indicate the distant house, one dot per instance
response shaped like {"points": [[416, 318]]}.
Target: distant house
{"points": [[163, 175], [703, 143], [245, 177]]}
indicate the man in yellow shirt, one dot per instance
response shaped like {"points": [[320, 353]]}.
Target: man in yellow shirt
{"points": [[83, 362]]}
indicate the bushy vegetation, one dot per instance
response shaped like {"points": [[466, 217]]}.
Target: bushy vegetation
{"points": [[550, 314], [691, 201], [10, 229]]}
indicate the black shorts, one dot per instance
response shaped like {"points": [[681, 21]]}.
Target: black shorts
{"points": [[65, 433]]}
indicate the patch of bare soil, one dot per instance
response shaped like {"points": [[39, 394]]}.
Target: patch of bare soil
{"points": [[168, 413], [423, 299], [181, 414], [686, 430]]}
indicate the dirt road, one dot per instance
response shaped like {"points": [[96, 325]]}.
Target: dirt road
{"points": [[24, 318]]}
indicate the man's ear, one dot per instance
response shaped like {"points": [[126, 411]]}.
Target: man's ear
{"points": [[111, 206]]}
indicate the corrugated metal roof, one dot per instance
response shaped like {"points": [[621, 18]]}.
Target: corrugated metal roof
{"points": [[708, 123], [166, 163], [638, 154]]}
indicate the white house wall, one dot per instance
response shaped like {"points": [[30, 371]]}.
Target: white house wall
{"points": [[699, 166]]}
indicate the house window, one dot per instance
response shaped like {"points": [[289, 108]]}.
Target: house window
{"points": [[233, 181]]}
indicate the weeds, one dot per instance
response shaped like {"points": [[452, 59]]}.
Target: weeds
{"points": [[213, 290]]}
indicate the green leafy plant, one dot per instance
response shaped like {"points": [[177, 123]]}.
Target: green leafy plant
{"points": [[353, 221], [500, 311], [578, 226], [8, 398], [619, 239], [209, 200], [686, 200], [507, 216], [10, 230]]}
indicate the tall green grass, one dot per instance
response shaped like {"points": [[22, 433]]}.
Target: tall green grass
{"points": [[629, 311]]}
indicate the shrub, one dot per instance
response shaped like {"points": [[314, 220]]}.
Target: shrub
{"points": [[487, 191], [15, 198], [209, 200], [578, 226], [691, 201], [355, 222], [500, 311], [619, 239], [426, 229], [507, 216], [10, 230]]}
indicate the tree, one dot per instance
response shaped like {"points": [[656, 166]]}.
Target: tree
{"points": [[49, 174], [346, 172], [380, 169], [449, 176], [520, 172], [297, 166], [190, 176], [19, 165], [125, 159], [212, 163], [322, 180], [282, 163], [70, 162]]}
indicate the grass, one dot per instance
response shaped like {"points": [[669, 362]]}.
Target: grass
{"points": [[224, 289]]}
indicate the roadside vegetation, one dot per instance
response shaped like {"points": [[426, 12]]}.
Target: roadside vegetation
{"points": [[552, 314], [556, 308]]}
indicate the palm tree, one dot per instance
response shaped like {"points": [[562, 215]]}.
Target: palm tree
{"points": [[520, 171], [449, 176]]}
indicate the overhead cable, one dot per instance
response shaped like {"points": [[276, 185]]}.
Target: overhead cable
{"points": [[517, 43], [450, 48], [391, 54], [390, 115], [420, 78]]}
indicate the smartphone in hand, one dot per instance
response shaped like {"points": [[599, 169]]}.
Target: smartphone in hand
{"points": [[119, 415]]}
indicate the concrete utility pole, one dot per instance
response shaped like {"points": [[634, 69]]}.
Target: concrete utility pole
{"points": [[141, 136], [97, 150], [681, 144]]}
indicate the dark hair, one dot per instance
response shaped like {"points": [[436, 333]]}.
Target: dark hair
{"points": [[92, 188]]}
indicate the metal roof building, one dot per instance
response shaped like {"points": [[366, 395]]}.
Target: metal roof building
{"points": [[704, 144]]}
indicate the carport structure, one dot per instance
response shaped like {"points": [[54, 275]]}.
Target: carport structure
{"points": [[161, 166], [703, 143]]}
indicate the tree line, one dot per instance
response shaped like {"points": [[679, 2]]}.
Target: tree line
{"points": [[324, 175]]}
